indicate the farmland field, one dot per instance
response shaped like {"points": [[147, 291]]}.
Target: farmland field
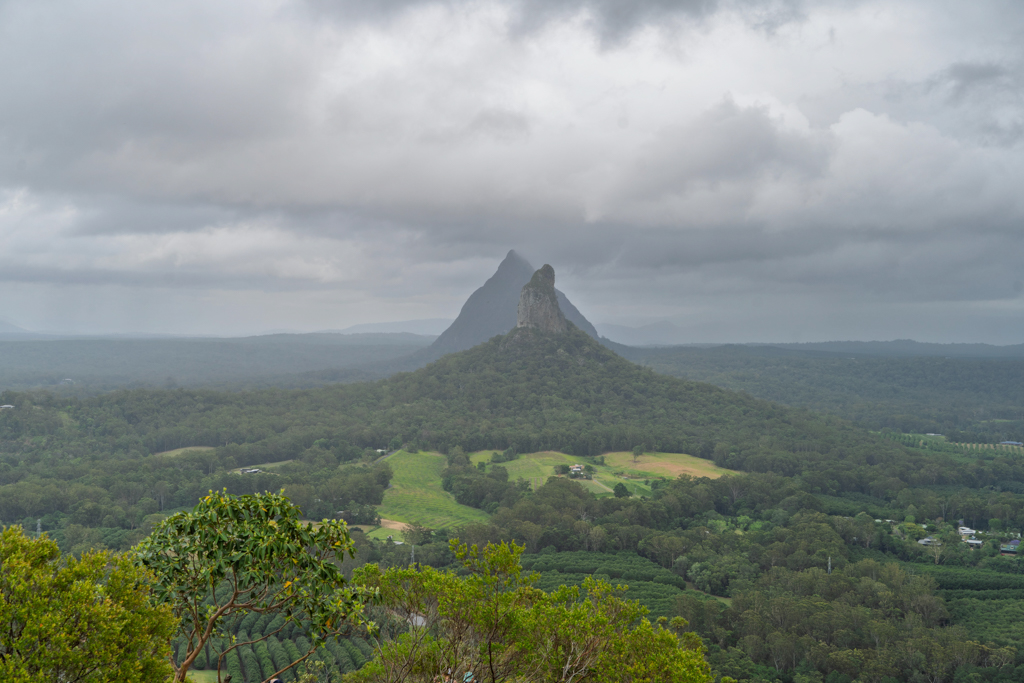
{"points": [[416, 496], [665, 464], [179, 451], [618, 468]]}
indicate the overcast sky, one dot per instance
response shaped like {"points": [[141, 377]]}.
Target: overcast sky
{"points": [[752, 171]]}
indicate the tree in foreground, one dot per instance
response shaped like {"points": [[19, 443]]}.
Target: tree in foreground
{"points": [[87, 620], [232, 555], [492, 625]]}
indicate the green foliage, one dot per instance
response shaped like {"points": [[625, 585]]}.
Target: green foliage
{"points": [[491, 624], [270, 561], [508, 455], [88, 619], [475, 487]]}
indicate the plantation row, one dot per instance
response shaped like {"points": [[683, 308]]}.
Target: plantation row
{"points": [[257, 662], [653, 585]]}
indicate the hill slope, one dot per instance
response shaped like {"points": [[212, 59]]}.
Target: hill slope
{"points": [[545, 392]]}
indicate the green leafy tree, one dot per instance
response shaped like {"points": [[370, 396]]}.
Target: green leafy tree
{"points": [[233, 555], [621, 491], [85, 620], [492, 625]]}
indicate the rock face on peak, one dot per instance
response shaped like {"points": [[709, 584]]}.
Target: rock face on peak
{"points": [[538, 304], [492, 310]]}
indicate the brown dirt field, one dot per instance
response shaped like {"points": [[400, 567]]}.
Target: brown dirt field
{"points": [[392, 524]]}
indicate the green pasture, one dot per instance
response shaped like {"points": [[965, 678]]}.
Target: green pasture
{"points": [[416, 496], [618, 468], [203, 676], [669, 465]]}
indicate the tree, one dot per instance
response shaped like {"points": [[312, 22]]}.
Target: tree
{"points": [[621, 491], [637, 452], [492, 625], [84, 620], [233, 555]]}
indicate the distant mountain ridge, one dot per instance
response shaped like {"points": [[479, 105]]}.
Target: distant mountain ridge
{"points": [[492, 309], [426, 326]]}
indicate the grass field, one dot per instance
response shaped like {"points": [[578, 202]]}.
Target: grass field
{"points": [[265, 466], [618, 468], [416, 496], [669, 465], [209, 676], [533, 467], [179, 451]]}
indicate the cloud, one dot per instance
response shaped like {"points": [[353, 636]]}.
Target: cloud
{"points": [[382, 157]]}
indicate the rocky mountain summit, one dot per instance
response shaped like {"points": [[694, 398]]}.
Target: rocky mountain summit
{"points": [[538, 304], [492, 309]]}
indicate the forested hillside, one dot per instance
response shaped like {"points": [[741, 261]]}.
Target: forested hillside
{"points": [[968, 399]]}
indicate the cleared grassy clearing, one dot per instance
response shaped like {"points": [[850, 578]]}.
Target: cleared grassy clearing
{"points": [[596, 486], [262, 466], [381, 533], [665, 464], [204, 676], [533, 467], [179, 451], [416, 496]]}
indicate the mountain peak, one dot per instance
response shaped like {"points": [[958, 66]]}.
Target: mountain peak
{"points": [[492, 309], [544, 278], [538, 304]]}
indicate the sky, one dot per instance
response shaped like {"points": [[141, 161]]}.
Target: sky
{"points": [[745, 170]]}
